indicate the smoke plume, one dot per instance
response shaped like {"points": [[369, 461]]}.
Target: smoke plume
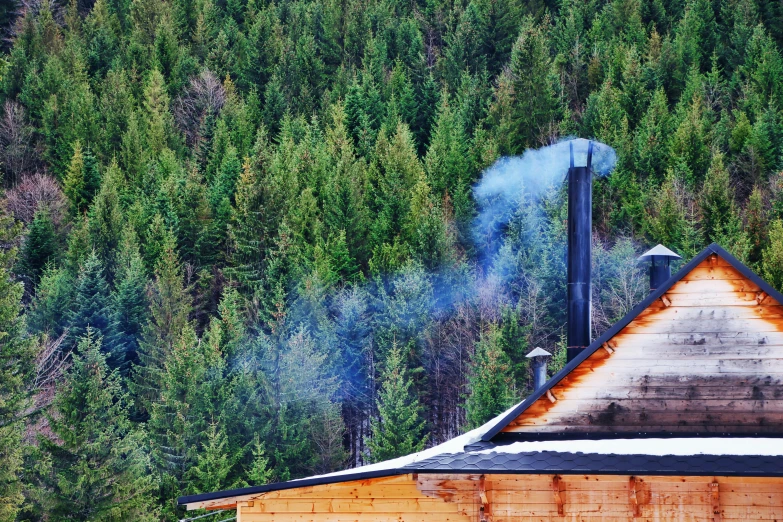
{"points": [[512, 180]]}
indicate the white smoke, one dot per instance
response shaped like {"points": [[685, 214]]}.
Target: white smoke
{"points": [[511, 180]]}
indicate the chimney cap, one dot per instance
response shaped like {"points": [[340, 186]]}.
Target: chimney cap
{"points": [[658, 250], [538, 352]]}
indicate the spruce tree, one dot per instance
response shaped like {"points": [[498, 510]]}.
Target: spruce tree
{"points": [[40, 246], [106, 221], [95, 465], [17, 353], [190, 395], [75, 186], [399, 428], [491, 380], [170, 306], [130, 296], [92, 308], [51, 305]]}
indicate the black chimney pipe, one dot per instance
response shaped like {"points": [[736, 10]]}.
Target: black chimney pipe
{"points": [[580, 253]]}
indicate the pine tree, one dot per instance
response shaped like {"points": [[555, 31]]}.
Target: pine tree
{"points": [[92, 308], [106, 221], [399, 428], [95, 466], [259, 472], [40, 246], [17, 353], [75, 186], [170, 306], [491, 380], [130, 296]]}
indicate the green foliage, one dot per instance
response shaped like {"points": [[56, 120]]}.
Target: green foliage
{"points": [[491, 380], [40, 246], [92, 309], [95, 466], [17, 352], [399, 428]]}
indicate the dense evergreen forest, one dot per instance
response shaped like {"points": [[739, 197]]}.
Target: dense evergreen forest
{"points": [[239, 238]]}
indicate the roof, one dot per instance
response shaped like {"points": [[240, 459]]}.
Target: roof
{"points": [[677, 456], [486, 450], [516, 411]]}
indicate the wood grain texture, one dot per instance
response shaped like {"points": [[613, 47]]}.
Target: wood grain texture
{"points": [[450, 497], [711, 361]]}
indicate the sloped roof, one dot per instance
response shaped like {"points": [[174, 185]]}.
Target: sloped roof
{"points": [[516, 411], [482, 451]]}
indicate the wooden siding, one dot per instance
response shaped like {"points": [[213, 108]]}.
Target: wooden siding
{"points": [[707, 357], [507, 498]]}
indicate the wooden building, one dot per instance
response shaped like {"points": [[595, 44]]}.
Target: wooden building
{"points": [[674, 414]]}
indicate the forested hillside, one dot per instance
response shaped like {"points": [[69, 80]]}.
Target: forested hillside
{"points": [[240, 239]]}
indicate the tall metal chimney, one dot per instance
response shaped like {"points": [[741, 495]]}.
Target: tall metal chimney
{"points": [[660, 259], [580, 251], [538, 359]]}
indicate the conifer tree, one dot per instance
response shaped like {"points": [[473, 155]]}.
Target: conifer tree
{"points": [[75, 186], [95, 466], [40, 246], [106, 221], [491, 380], [190, 395], [773, 256], [533, 113], [17, 353], [54, 294], [399, 428], [130, 296], [92, 308], [170, 306], [259, 472], [720, 221], [213, 462]]}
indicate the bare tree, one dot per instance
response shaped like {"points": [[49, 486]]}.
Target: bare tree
{"points": [[16, 143], [50, 366], [33, 191], [204, 97]]}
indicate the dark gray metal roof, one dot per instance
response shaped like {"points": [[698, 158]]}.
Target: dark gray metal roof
{"points": [[601, 464]]}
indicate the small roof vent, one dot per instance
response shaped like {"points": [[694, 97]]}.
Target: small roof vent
{"points": [[539, 358], [660, 259]]}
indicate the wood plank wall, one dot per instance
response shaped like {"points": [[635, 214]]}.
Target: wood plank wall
{"points": [[442, 498], [708, 357]]}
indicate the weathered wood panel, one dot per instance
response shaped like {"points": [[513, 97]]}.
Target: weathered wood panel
{"points": [[708, 360], [442, 498]]}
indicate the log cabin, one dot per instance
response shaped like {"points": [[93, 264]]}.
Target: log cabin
{"points": [[673, 414]]}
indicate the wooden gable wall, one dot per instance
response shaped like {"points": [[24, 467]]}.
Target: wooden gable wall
{"points": [[705, 358]]}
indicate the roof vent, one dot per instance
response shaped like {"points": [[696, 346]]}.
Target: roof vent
{"points": [[539, 357], [660, 259]]}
